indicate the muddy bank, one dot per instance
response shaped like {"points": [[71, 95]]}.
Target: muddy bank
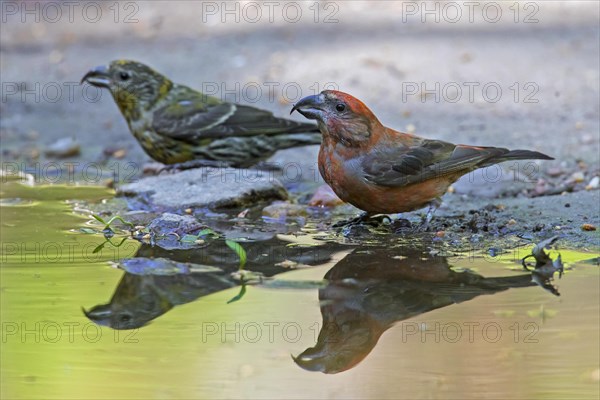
{"points": [[462, 222]]}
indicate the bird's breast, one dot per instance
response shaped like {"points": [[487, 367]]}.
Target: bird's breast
{"points": [[345, 176], [161, 148], [340, 171]]}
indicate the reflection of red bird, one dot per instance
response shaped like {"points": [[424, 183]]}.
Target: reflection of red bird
{"points": [[367, 292], [381, 170]]}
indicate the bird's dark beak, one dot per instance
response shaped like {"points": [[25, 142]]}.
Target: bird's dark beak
{"points": [[98, 77], [99, 314], [311, 107], [311, 360]]}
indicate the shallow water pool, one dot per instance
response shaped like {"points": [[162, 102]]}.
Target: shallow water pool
{"points": [[341, 321]]}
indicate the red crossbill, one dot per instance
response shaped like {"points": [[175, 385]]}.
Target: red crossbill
{"points": [[383, 171]]}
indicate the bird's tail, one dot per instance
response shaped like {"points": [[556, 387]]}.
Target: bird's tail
{"points": [[524, 155], [499, 154]]}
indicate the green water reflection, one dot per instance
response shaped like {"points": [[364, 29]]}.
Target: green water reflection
{"points": [[398, 321]]}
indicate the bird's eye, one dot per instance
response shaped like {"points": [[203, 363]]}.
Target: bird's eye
{"points": [[340, 107], [124, 76]]}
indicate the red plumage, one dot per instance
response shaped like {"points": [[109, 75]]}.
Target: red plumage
{"points": [[381, 170]]}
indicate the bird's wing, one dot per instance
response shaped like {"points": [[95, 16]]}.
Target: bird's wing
{"points": [[191, 115], [427, 159]]}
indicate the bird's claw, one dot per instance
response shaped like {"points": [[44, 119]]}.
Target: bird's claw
{"points": [[267, 166], [424, 225], [363, 218], [351, 222], [193, 164]]}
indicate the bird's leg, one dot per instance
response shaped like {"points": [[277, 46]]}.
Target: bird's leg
{"points": [[361, 219], [433, 206], [364, 216], [267, 166], [195, 164]]}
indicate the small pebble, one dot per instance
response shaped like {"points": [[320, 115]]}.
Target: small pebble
{"points": [[188, 210], [372, 62], [121, 153], [465, 58], [287, 264], [512, 222], [594, 183], [440, 234], [587, 139], [325, 197], [282, 209], [588, 227], [567, 205], [65, 147], [577, 176], [199, 241], [554, 172], [541, 186]]}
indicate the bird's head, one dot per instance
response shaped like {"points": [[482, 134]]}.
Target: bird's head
{"points": [[340, 116], [134, 86]]}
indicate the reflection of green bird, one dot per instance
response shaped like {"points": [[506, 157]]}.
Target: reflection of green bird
{"points": [[175, 124], [151, 287]]}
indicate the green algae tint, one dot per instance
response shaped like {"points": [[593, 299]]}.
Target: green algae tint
{"points": [[485, 333]]}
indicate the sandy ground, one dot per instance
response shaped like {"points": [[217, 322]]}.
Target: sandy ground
{"points": [[526, 79]]}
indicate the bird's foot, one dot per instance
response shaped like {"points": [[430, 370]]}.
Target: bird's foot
{"points": [[424, 225], [351, 222], [267, 166], [363, 219], [152, 168], [195, 164]]}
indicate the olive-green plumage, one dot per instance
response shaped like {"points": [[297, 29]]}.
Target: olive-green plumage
{"points": [[175, 123]]}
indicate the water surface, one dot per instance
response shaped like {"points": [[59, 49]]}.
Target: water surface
{"points": [[382, 320]]}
